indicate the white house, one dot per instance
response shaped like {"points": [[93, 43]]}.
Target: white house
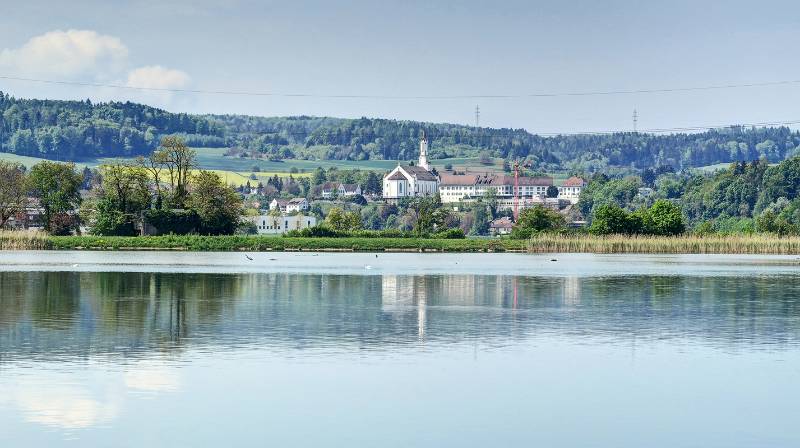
{"points": [[268, 224], [571, 189], [289, 205], [297, 205], [412, 180], [279, 204], [347, 190], [341, 190]]}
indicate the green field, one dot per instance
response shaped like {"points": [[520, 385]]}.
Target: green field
{"points": [[238, 170]]}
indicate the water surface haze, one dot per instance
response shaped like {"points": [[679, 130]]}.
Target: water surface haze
{"points": [[180, 349]]}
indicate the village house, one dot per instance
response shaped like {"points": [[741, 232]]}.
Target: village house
{"points": [[31, 218], [501, 226], [571, 189], [331, 189], [289, 205], [297, 205], [348, 190], [272, 225], [279, 204], [411, 180]]}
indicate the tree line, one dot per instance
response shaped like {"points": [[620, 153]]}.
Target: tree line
{"points": [[71, 130], [745, 197]]}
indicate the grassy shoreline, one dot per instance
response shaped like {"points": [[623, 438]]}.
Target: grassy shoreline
{"points": [[738, 244]]}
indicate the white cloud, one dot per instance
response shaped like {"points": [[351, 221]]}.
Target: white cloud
{"points": [[87, 56], [157, 77], [54, 401], [68, 54], [152, 376]]}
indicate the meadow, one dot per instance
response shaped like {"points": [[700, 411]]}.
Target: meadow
{"points": [[238, 170]]}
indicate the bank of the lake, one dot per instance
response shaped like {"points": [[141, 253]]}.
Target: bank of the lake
{"points": [[731, 244], [23, 241]]}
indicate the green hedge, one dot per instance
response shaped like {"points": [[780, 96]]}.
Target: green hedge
{"points": [[269, 243]]}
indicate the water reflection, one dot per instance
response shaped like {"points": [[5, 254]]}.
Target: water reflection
{"points": [[58, 315]]}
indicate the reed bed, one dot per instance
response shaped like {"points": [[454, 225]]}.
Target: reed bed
{"points": [[23, 240], [617, 244]]}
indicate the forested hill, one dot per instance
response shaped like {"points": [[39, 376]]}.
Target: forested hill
{"points": [[72, 130]]}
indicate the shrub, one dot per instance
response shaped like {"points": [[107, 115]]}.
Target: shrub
{"points": [[664, 218], [179, 222], [62, 224], [536, 219], [110, 221], [450, 234], [612, 219]]}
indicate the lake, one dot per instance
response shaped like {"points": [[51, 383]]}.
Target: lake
{"points": [[425, 350]]}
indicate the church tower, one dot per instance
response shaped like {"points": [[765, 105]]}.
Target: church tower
{"points": [[423, 152]]}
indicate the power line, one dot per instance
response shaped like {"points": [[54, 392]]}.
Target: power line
{"points": [[673, 130], [410, 97], [513, 132]]}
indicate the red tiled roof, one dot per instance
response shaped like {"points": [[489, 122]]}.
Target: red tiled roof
{"points": [[574, 181], [494, 180], [502, 223]]}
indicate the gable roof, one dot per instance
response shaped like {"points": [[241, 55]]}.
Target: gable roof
{"points": [[349, 187], [296, 200], [574, 181], [419, 172], [502, 223], [396, 176], [494, 180]]}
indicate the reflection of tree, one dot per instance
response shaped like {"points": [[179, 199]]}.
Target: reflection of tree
{"points": [[128, 312], [55, 298]]}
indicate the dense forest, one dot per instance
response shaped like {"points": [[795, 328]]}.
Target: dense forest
{"points": [[71, 130]]}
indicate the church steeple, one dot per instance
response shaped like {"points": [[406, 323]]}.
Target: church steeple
{"points": [[423, 152]]}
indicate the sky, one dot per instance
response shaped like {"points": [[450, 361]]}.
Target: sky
{"points": [[417, 49]]}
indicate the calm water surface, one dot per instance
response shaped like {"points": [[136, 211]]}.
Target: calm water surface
{"points": [[178, 349]]}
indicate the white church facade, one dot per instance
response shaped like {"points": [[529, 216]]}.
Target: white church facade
{"points": [[411, 180]]}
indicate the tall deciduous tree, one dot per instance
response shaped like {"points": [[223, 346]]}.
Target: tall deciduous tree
{"points": [[12, 191], [57, 185], [218, 205], [430, 215], [178, 159], [126, 186]]}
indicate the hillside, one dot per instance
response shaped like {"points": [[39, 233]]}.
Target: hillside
{"points": [[75, 130]]}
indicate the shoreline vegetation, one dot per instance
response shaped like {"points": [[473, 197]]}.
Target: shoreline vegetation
{"points": [[546, 243]]}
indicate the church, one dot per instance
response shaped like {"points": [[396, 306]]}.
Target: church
{"points": [[411, 180]]}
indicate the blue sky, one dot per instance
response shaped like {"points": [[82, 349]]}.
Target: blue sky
{"points": [[418, 48]]}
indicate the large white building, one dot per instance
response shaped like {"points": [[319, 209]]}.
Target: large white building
{"points": [[412, 180], [276, 224], [468, 187]]}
